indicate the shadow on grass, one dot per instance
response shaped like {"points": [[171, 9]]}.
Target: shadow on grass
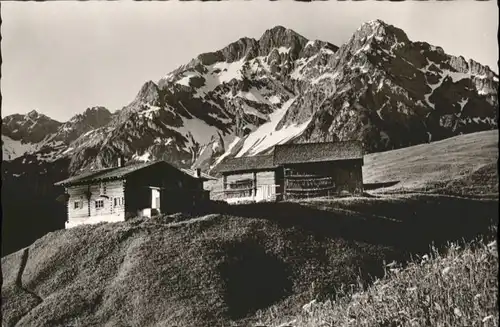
{"points": [[253, 278], [374, 186], [408, 224]]}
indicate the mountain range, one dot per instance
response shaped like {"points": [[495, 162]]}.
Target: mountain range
{"points": [[379, 87]]}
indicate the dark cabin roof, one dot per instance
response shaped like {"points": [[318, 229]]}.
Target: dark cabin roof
{"points": [[317, 152], [259, 162], [115, 173]]}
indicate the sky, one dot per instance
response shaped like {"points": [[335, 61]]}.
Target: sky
{"points": [[60, 58]]}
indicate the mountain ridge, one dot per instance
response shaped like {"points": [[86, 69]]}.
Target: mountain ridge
{"points": [[378, 87]]}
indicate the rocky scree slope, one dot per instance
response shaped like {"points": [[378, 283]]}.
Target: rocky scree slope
{"points": [[378, 87]]}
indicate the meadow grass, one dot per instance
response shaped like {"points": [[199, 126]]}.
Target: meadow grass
{"points": [[458, 287]]}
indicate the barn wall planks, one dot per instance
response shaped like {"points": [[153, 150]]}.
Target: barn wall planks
{"points": [[266, 185], [323, 179], [250, 185], [266, 178], [238, 177]]}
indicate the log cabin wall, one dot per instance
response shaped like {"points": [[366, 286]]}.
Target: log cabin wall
{"points": [[105, 194], [80, 205], [322, 179], [78, 202]]}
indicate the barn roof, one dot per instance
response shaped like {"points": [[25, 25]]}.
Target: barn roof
{"points": [[257, 162], [115, 173], [193, 173], [317, 152]]}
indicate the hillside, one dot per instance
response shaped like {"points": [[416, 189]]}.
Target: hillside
{"points": [[462, 165], [434, 290], [150, 273], [218, 268]]}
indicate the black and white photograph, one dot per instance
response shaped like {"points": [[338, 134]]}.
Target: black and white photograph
{"points": [[249, 163]]}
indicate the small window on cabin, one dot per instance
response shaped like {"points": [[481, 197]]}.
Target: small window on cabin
{"points": [[115, 201], [77, 205], [99, 204]]}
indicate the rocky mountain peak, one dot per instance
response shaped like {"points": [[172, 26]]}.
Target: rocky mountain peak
{"points": [[380, 32], [93, 116], [33, 114], [149, 93], [94, 110], [31, 128], [281, 37], [244, 47]]}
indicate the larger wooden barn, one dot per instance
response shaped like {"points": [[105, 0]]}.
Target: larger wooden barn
{"points": [[294, 171], [118, 193]]}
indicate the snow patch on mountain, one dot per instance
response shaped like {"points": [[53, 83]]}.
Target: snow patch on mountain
{"points": [[185, 79], [326, 75], [145, 157], [228, 151], [196, 131], [12, 149], [433, 87], [462, 103], [267, 136], [310, 43], [253, 95], [217, 74], [298, 72], [148, 113], [252, 111], [284, 49], [274, 99]]}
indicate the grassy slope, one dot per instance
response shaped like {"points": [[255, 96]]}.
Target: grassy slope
{"points": [[458, 288], [462, 165], [150, 273]]}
